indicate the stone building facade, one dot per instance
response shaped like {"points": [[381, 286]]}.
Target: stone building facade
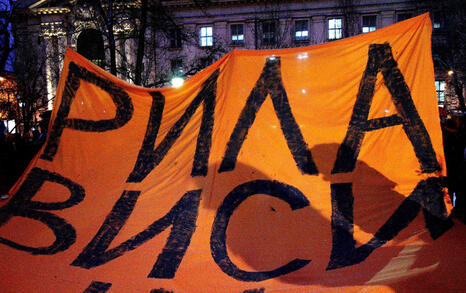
{"points": [[196, 33]]}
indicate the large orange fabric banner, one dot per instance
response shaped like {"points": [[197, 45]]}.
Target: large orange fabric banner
{"points": [[316, 168]]}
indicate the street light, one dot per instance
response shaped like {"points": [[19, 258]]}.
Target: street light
{"points": [[177, 81]]}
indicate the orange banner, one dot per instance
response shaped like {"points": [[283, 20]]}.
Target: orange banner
{"points": [[294, 170]]}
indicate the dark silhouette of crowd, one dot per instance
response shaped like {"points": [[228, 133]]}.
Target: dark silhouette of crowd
{"points": [[454, 144], [17, 151]]}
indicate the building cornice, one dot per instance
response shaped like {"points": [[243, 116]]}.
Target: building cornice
{"points": [[37, 3], [216, 3], [196, 4], [50, 10]]}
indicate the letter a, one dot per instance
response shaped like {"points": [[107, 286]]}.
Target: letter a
{"points": [[381, 59]]}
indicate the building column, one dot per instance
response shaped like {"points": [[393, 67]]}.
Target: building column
{"points": [[191, 50], [318, 30], [250, 34], [285, 31], [387, 18], [220, 33], [55, 39]]}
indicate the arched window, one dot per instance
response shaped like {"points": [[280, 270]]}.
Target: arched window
{"points": [[91, 45]]}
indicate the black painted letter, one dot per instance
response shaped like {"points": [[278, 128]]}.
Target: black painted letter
{"points": [[269, 82], [285, 192], [381, 59], [98, 287], [426, 196], [21, 205], [149, 158], [124, 109], [182, 217]]}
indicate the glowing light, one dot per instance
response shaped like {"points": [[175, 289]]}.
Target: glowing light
{"points": [[386, 110], [271, 58], [10, 124], [303, 56], [177, 82], [2, 78], [303, 91], [450, 72]]}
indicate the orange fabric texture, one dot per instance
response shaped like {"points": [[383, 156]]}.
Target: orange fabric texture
{"points": [[314, 168]]}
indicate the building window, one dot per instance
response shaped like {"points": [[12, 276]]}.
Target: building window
{"points": [[369, 23], [11, 126], [206, 36], [335, 30], [403, 16], [177, 67], [268, 32], [237, 34], [440, 88], [175, 38], [438, 22], [301, 30], [91, 45]]}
